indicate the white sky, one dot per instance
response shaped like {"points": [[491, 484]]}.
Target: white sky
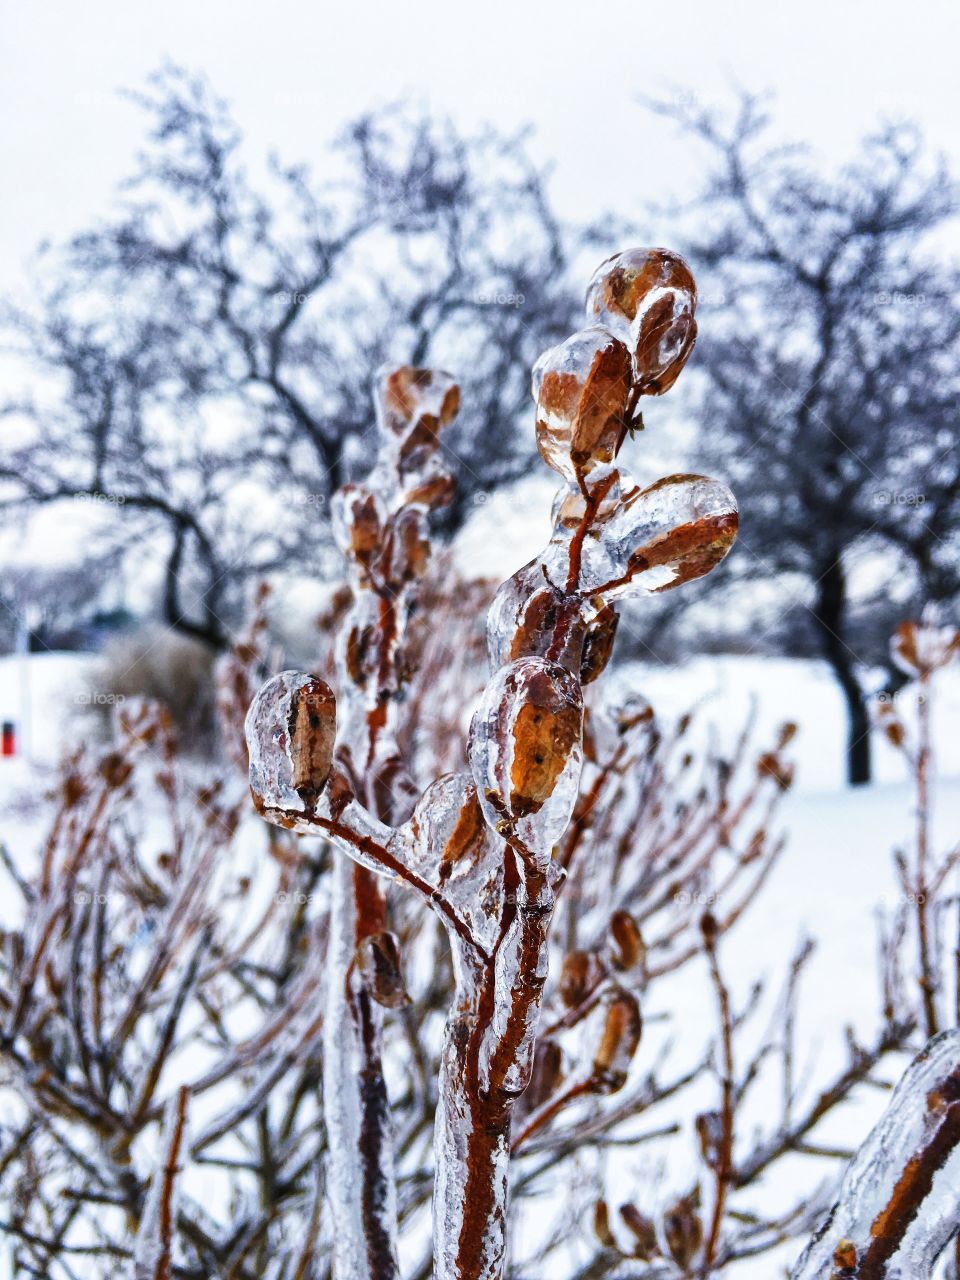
{"points": [[295, 72]]}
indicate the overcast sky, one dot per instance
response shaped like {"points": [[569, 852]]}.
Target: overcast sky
{"points": [[295, 72]]}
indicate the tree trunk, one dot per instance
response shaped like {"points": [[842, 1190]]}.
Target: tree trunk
{"points": [[830, 615]]}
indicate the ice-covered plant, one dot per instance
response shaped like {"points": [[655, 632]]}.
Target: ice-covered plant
{"points": [[480, 847]]}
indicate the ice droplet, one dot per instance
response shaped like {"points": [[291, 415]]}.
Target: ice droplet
{"points": [[582, 389], [647, 297], [525, 751], [899, 1199], [290, 729], [357, 518]]}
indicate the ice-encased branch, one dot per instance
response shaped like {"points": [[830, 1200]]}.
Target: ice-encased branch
{"points": [[899, 1201]]}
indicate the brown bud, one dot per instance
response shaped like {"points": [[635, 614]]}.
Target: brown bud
{"points": [[626, 941], [598, 644], [546, 1075], [618, 1043], [313, 730], [115, 769], [711, 1134], [683, 1229], [601, 1225], [579, 976], [769, 765], [643, 1230], [378, 960]]}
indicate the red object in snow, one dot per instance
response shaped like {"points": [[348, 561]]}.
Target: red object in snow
{"points": [[9, 744]]}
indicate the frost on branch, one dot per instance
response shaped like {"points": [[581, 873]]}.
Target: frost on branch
{"points": [[899, 1199]]}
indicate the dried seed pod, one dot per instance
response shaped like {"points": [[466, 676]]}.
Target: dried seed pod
{"points": [[410, 548], [920, 648], [619, 1042], [530, 617], [290, 730], [643, 1230], [647, 297], [525, 751], [769, 765], [447, 824], [378, 962], [579, 976], [709, 1125], [546, 1075], [598, 644], [601, 1225], [683, 1229], [357, 519], [655, 539], [413, 406], [627, 945], [582, 390]]}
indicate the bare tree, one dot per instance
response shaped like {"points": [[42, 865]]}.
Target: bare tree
{"points": [[203, 356], [832, 374]]}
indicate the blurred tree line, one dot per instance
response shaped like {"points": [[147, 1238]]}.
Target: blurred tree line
{"points": [[206, 354]]}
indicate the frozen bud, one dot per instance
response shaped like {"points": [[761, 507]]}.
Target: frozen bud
{"points": [[660, 537], [619, 1041], [409, 548], [582, 390], [447, 823], [431, 487], [115, 769], [683, 1229], [920, 648], [378, 962], [770, 765], [710, 1134], [601, 1225], [643, 1231], [647, 297], [525, 751], [546, 1075], [357, 520], [626, 941], [413, 407], [581, 973], [291, 727], [530, 617], [598, 643]]}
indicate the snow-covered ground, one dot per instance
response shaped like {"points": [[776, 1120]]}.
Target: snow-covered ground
{"points": [[835, 871]]}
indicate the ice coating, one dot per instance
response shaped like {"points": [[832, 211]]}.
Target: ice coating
{"points": [[525, 751], [290, 730], [652, 540], [479, 849], [899, 1199], [647, 297], [582, 388]]}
